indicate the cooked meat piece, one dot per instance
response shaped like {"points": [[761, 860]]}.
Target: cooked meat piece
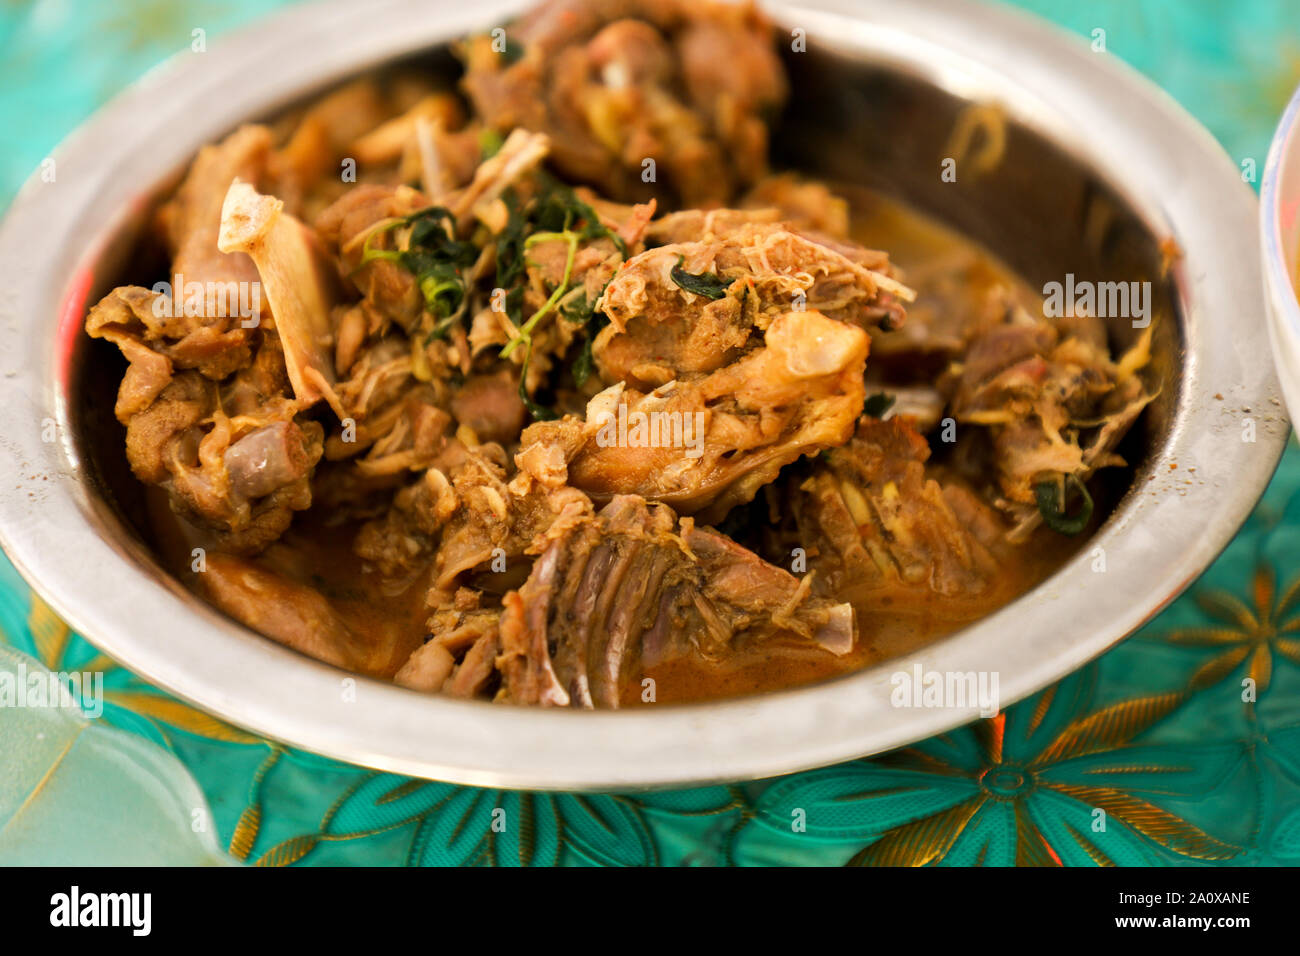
{"points": [[807, 205], [660, 330], [470, 634], [192, 220], [267, 458], [476, 669], [393, 422], [733, 77], [171, 419], [121, 319], [958, 294], [629, 587], [299, 616], [525, 662], [463, 507], [884, 522], [412, 434], [491, 407], [154, 341], [427, 669], [295, 615], [709, 443], [263, 382], [630, 222], [401, 542], [702, 225], [615, 83], [837, 277], [1053, 399], [389, 291], [499, 521], [185, 442]]}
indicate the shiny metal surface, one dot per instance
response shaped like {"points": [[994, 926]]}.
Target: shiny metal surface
{"points": [[881, 86]]}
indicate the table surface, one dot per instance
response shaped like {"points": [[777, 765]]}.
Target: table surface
{"points": [[1147, 756]]}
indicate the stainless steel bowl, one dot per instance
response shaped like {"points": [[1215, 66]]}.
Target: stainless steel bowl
{"points": [[1099, 169]]}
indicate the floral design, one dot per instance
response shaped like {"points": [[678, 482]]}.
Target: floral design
{"points": [[1246, 634], [460, 826], [1050, 783]]}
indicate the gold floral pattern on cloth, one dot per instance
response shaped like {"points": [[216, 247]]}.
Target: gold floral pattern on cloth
{"points": [[1247, 634]]}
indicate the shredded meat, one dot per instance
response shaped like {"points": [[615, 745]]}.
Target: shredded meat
{"points": [[707, 444], [1053, 400], [886, 523], [659, 330], [631, 586], [620, 83], [230, 456]]}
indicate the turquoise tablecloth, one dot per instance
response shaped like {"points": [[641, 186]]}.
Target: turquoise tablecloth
{"points": [[1155, 733]]}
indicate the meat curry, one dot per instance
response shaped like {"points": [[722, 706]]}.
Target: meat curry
{"points": [[549, 391]]}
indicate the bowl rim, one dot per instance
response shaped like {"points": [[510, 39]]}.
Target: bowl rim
{"points": [[1159, 538]]}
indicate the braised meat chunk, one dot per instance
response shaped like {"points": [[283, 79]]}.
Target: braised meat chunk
{"points": [[708, 443], [886, 523], [690, 305], [630, 586], [636, 95], [1054, 401]]}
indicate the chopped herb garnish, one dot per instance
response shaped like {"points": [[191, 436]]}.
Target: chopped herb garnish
{"points": [[558, 208], [525, 333], [1052, 508], [576, 308], [585, 363], [513, 52], [706, 283], [490, 142], [877, 405], [434, 256], [539, 412], [429, 249], [556, 214]]}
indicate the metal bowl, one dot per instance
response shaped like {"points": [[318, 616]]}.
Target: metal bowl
{"points": [[1099, 170], [1279, 233]]}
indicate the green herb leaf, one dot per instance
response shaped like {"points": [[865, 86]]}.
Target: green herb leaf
{"points": [[539, 412], [490, 142], [510, 242], [585, 364], [513, 52], [877, 405], [558, 209], [578, 311], [1052, 508], [434, 256], [706, 283], [525, 333]]}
